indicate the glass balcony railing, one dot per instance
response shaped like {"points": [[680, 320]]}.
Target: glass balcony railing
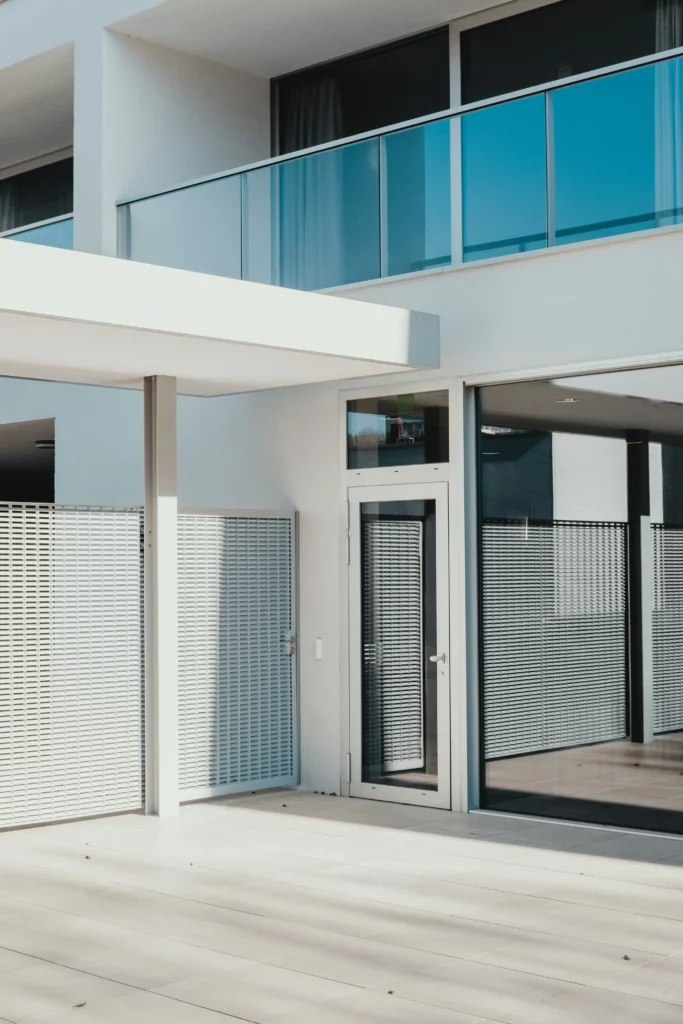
{"points": [[577, 162], [58, 233]]}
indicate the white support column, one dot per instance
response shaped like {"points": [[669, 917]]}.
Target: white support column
{"points": [[456, 149], [161, 596]]}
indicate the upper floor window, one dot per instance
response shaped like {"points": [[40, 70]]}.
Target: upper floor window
{"points": [[570, 37], [362, 93], [36, 195]]}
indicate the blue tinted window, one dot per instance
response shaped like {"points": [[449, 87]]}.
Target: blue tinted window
{"points": [[504, 179], [328, 207], [59, 235], [418, 198], [615, 153]]}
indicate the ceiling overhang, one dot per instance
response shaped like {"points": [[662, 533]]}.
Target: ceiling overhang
{"points": [[273, 37], [72, 316]]}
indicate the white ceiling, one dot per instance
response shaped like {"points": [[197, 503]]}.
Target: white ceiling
{"points": [[272, 37], [36, 106], [609, 407]]}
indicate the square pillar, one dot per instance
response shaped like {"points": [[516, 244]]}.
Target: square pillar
{"points": [[640, 586], [161, 597]]}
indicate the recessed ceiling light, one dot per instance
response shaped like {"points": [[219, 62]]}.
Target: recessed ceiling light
{"points": [[567, 401]]}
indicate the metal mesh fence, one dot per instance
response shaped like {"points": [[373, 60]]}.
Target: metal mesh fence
{"points": [[554, 648], [667, 627]]}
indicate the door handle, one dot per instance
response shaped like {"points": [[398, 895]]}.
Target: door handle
{"points": [[440, 659]]}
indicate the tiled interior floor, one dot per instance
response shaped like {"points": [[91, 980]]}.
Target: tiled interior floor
{"points": [[301, 909], [642, 775]]}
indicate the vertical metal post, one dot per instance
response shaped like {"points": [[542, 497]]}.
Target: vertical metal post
{"points": [[640, 586], [383, 209], [161, 597], [456, 151], [551, 225]]}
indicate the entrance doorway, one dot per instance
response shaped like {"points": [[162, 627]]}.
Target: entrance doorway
{"points": [[399, 643]]}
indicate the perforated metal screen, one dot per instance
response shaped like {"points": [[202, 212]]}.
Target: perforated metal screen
{"points": [[236, 669], [71, 662], [554, 635], [667, 628], [393, 712]]}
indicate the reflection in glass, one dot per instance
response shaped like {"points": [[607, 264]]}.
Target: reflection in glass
{"points": [[326, 207], [397, 430], [196, 228], [573, 727], [418, 198], [617, 153], [59, 235], [504, 179], [398, 574]]}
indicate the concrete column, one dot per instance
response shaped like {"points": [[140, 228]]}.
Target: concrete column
{"points": [[95, 145], [640, 586], [161, 596]]}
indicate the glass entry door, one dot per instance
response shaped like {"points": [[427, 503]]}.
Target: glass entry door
{"points": [[399, 657]]}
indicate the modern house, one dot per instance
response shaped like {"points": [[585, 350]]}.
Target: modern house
{"points": [[341, 438]]}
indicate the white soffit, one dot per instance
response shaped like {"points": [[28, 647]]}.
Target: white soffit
{"points": [[72, 316], [272, 37]]}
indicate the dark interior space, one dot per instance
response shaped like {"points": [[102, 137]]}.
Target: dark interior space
{"points": [[672, 473], [362, 93], [561, 39], [516, 474], [27, 461], [36, 195]]}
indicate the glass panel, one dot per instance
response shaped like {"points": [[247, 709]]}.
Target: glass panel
{"points": [[326, 210], [259, 225], [583, 716], [397, 430], [504, 179], [618, 162], [418, 198], [59, 235], [398, 574], [197, 228]]}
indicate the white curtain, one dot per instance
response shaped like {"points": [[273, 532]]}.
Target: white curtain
{"points": [[311, 191], [669, 116], [9, 205]]}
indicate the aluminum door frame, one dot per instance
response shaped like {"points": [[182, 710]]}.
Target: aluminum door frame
{"points": [[357, 496]]}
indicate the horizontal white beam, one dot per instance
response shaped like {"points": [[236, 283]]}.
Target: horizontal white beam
{"points": [[74, 316]]}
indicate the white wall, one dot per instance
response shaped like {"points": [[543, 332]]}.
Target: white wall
{"points": [[564, 307], [30, 27], [98, 437], [99, 445], [656, 484], [589, 478], [280, 450], [147, 118]]}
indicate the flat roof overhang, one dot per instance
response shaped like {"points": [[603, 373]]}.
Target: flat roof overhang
{"points": [[76, 317]]}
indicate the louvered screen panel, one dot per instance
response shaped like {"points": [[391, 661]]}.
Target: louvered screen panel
{"points": [[667, 627], [554, 635], [236, 677], [393, 656], [71, 662]]}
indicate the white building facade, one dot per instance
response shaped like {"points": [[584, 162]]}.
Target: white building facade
{"points": [[512, 169]]}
